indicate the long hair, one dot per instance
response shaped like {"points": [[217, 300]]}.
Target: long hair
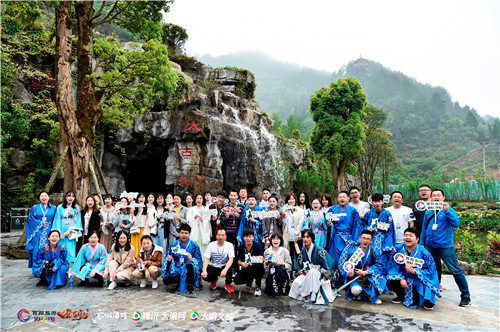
{"points": [[328, 198], [94, 208], [307, 202], [127, 246], [65, 203]]}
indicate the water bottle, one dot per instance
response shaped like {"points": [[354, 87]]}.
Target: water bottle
{"points": [[105, 282], [71, 282]]}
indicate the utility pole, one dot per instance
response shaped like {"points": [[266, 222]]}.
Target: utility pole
{"points": [[484, 158]]}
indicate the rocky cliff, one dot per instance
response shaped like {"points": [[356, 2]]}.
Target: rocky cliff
{"points": [[212, 139]]}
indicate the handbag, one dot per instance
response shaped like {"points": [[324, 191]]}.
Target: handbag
{"points": [[73, 235], [135, 230]]}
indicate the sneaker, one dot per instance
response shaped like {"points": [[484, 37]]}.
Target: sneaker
{"points": [[213, 285], [249, 286], [440, 288], [143, 283], [465, 302], [379, 301], [257, 292], [428, 305], [190, 288], [154, 284], [229, 288], [112, 285], [397, 300]]}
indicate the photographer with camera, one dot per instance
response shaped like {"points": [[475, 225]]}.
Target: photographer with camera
{"points": [[50, 263]]}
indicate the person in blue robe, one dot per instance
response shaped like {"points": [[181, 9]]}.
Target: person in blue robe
{"points": [[346, 225], [38, 226], [50, 263], [183, 263], [379, 221], [249, 219], [316, 273], [317, 222], [91, 261], [68, 221], [413, 273], [368, 266]]}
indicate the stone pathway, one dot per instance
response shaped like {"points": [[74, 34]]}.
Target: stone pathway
{"points": [[165, 309]]}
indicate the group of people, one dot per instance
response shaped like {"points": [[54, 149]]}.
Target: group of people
{"points": [[306, 248]]}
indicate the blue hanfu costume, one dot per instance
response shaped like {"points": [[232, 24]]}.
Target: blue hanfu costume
{"points": [[319, 227], [425, 279], [346, 229], [371, 263], [90, 259], [59, 276], [68, 219], [247, 223], [384, 237], [311, 286], [180, 260], [38, 227]]}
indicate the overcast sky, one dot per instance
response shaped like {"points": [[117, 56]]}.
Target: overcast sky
{"points": [[453, 44]]}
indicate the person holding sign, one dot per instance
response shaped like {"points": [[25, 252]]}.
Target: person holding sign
{"points": [[317, 223], [175, 218], [250, 259], [38, 226], [215, 219], [346, 225], [379, 221], [413, 274], [183, 263], [315, 266], [199, 220], [250, 219], [272, 221], [68, 221], [437, 236], [424, 192], [277, 260], [293, 220], [148, 262], [218, 261], [361, 261], [402, 215]]}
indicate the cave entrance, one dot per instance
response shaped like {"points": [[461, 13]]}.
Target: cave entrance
{"points": [[146, 172]]}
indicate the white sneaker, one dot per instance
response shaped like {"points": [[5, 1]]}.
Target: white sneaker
{"points": [[155, 284], [143, 283], [379, 301], [356, 290], [257, 292], [112, 285]]}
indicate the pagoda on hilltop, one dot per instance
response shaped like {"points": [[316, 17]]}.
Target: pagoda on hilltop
{"points": [[361, 63]]}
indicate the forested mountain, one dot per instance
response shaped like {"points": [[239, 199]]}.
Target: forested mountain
{"points": [[429, 129]]}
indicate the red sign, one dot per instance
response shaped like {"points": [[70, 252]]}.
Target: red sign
{"points": [[186, 181], [186, 152], [193, 126]]}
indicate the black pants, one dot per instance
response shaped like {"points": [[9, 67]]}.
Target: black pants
{"points": [[177, 279], [293, 253], [214, 272], [246, 276], [232, 238], [400, 292]]}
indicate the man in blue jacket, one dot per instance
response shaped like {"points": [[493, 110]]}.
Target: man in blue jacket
{"points": [[437, 237]]}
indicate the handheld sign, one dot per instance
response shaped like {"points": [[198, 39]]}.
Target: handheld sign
{"points": [[353, 260], [420, 205], [435, 206]]}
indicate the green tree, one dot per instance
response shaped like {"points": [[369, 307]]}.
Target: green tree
{"points": [[137, 80], [174, 37], [377, 148], [339, 131]]}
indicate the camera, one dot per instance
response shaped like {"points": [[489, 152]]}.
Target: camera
{"points": [[49, 268]]}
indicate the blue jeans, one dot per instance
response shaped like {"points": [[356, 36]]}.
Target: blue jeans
{"points": [[449, 257]]}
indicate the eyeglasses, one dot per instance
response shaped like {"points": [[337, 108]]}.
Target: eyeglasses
{"points": [[424, 190]]}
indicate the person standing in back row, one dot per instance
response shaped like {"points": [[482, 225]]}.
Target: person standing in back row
{"points": [[437, 237]]}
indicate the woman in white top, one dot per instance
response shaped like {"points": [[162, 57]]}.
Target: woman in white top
{"points": [[151, 213], [294, 219], [278, 262], [107, 221], [201, 229]]}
